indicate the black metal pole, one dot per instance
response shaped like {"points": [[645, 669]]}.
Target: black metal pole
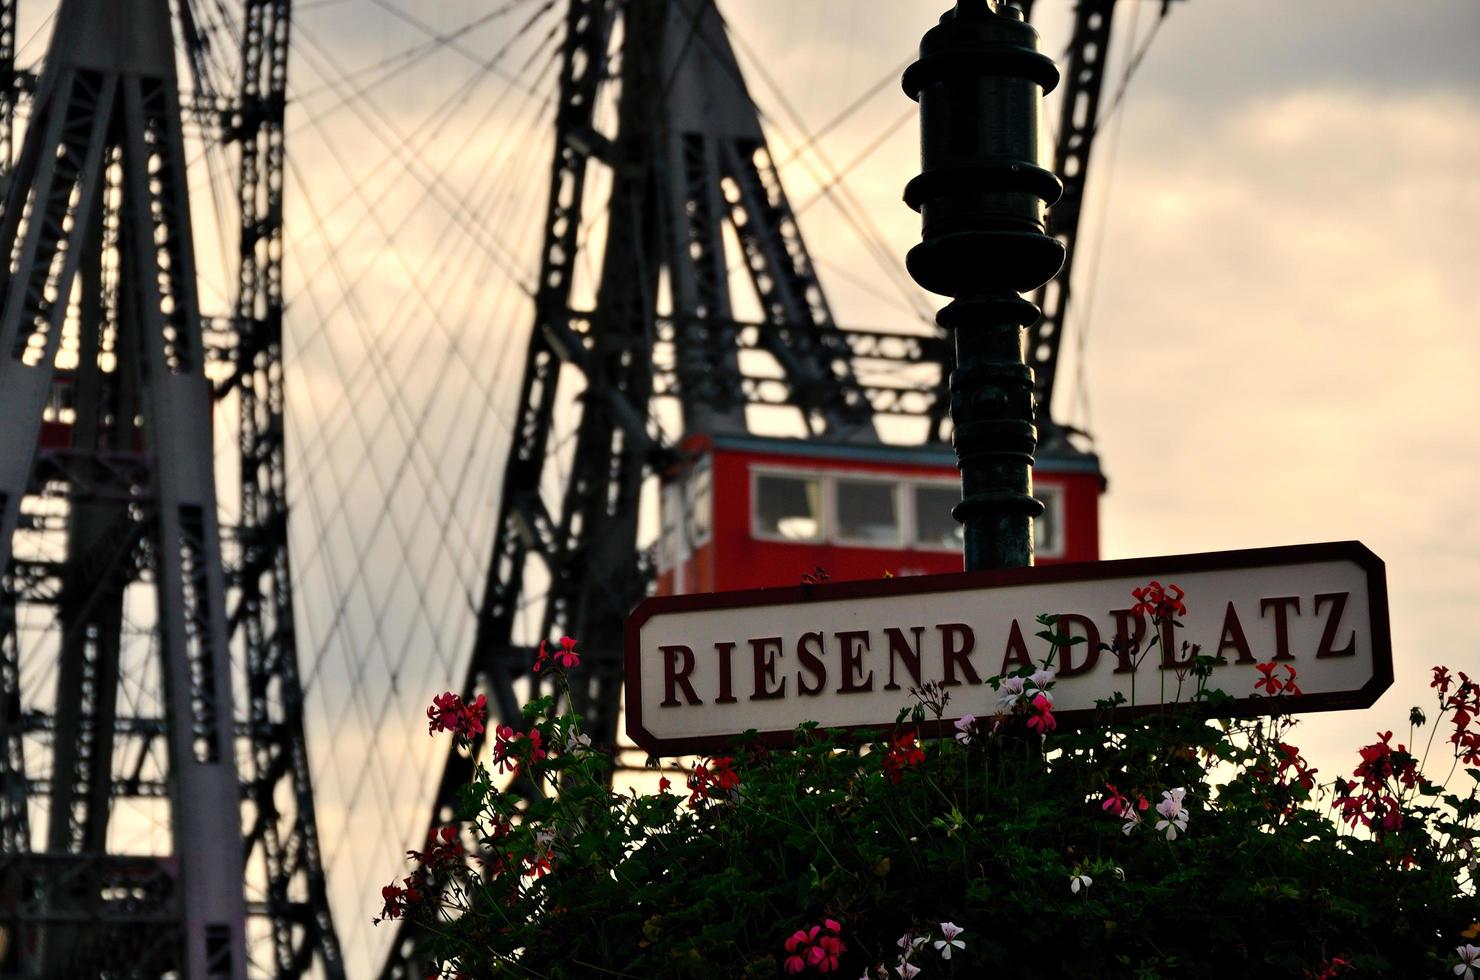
{"points": [[982, 195]]}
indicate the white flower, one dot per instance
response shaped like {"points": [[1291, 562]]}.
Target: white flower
{"points": [[1469, 958], [946, 946], [577, 740], [1173, 811], [1042, 678], [1131, 819], [963, 728], [910, 942], [1008, 694], [906, 970], [1080, 881]]}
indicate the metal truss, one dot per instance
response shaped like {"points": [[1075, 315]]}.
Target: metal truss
{"points": [[280, 828], [683, 166], [96, 228], [1079, 117], [102, 171], [689, 157]]}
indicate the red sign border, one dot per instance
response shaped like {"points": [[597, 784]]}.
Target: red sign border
{"points": [[1165, 568]]}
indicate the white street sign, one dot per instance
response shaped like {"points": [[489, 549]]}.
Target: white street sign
{"points": [[701, 669]]}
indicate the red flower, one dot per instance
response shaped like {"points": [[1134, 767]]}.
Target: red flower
{"points": [[1158, 602], [539, 865], [711, 777], [566, 657], [1271, 684], [513, 750], [826, 954], [1290, 687], [1293, 760], [400, 900], [903, 754], [1042, 720], [449, 714], [814, 948], [664, 784], [1441, 680], [1329, 969]]}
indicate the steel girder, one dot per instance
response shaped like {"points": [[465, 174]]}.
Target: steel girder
{"points": [[103, 172], [689, 155], [104, 138], [1079, 119], [284, 838]]}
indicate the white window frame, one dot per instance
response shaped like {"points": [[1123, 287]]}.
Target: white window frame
{"points": [[690, 495], [896, 483], [824, 528], [915, 544], [1051, 495]]}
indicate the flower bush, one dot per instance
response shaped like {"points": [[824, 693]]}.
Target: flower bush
{"points": [[1194, 844]]}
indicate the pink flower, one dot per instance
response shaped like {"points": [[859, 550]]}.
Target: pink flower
{"points": [[507, 748], [567, 657], [812, 948], [1469, 959], [448, 713], [944, 946], [1011, 690], [1042, 720], [1173, 812], [828, 953]]}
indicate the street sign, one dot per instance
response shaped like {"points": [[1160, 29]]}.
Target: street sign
{"points": [[701, 669]]}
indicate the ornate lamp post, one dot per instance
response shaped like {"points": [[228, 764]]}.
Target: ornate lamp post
{"points": [[982, 195]]}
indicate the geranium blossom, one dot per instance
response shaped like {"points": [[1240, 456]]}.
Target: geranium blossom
{"points": [[566, 656], [904, 753], [963, 728], [1076, 882], [1042, 720], [510, 746], [1174, 814], [1009, 693], [818, 947], [1159, 602], [1469, 958], [712, 777], [448, 713], [950, 943]]}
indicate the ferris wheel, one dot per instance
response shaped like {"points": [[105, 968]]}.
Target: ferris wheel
{"points": [[520, 311]]}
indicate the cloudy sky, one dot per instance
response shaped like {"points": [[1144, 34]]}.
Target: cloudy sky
{"points": [[1274, 303]]}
